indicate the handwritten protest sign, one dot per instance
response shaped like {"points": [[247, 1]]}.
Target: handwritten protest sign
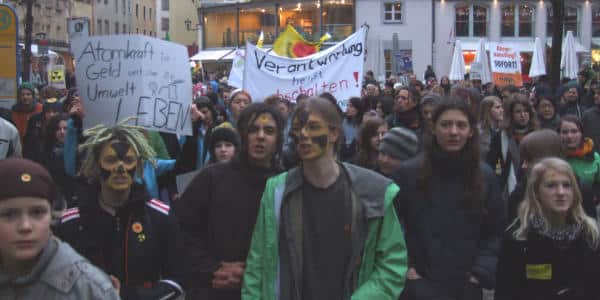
{"points": [[506, 64], [121, 76], [337, 70]]}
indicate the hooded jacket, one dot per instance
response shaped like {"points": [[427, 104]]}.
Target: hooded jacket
{"points": [[141, 245], [377, 265], [59, 273]]}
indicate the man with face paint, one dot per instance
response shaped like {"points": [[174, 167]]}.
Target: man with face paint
{"points": [[325, 229], [117, 225], [218, 210]]}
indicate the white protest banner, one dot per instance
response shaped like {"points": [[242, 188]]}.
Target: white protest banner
{"points": [[121, 76], [337, 70], [236, 75], [505, 61]]}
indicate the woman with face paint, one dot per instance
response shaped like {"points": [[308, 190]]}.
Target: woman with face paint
{"points": [[117, 225], [550, 251], [451, 207], [503, 156], [33, 263]]}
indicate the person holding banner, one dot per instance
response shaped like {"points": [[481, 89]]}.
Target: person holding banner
{"points": [[116, 225], [302, 250]]}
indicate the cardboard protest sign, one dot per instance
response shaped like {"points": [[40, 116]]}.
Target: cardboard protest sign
{"points": [[505, 61], [337, 70], [121, 76]]}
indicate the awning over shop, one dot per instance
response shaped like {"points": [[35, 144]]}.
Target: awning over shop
{"points": [[215, 54]]}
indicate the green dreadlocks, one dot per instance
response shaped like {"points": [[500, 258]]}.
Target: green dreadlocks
{"points": [[98, 135]]}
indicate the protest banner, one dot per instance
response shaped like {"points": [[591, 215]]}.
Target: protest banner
{"points": [[236, 75], [505, 63], [337, 70], [122, 76]]}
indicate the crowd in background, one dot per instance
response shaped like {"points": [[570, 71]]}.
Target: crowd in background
{"points": [[499, 187]]}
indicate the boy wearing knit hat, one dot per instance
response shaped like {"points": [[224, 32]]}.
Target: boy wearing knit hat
{"points": [[40, 265], [25, 107], [397, 145]]}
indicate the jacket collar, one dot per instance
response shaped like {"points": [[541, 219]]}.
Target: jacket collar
{"points": [[43, 261], [368, 186]]}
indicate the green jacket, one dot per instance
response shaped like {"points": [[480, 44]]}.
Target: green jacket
{"points": [[587, 170], [378, 263]]}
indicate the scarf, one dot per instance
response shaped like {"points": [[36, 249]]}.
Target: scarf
{"points": [[519, 133], [563, 236], [586, 148]]}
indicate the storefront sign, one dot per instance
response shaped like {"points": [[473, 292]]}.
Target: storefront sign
{"points": [[505, 61], [8, 52], [337, 70], [122, 76]]}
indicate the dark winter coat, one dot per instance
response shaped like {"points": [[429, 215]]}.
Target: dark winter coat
{"points": [[591, 126], [190, 154], [571, 273], [217, 213], [141, 245], [448, 242], [33, 141]]}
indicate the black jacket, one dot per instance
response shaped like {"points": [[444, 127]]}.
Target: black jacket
{"points": [[33, 140], [217, 213], [141, 245], [570, 273], [447, 241], [188, 157]]}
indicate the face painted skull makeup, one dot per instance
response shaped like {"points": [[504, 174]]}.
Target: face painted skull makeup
{"points": [[311, 135], [118, 163]]}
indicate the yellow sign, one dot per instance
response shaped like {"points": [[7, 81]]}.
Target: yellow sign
{"points": [[8, 52], [56, 77], [539, 272]]}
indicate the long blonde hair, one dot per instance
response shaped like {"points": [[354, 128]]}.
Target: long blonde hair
{"points": [[531, 205]]}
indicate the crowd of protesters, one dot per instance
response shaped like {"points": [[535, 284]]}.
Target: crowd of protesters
{"points": [[432, 190]]}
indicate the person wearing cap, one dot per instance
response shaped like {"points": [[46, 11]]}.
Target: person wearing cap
{"points": [[25, 108], [36, 126], [33, 263], [116, 224], [224, 143], [325, 229], [397, 145]]}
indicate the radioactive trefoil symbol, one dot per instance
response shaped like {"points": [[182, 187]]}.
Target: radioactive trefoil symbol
{"points": [[5, 19], [56, 76]]}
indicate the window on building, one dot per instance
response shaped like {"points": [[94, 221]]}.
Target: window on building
{"points": [[144, 31], [471, 20], [150, 13], [106, 27], [164, 24], [517, 20], [117, 27], [338, 19], [165, 4], [105, 2], [137, 10], [144, 12], [124, 29], [392, 12], [596, 22], [137, 30], [99, 27], [123, 7], [571, 20], [387, 58], [151, 34], [116, 6]]}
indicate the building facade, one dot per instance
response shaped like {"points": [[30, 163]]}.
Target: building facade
{"points": [[111, 17], [163, 8], [183, 24], [408, 35], [143, 17]]}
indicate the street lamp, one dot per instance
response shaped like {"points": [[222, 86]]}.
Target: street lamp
{"points": [[188, 25]]}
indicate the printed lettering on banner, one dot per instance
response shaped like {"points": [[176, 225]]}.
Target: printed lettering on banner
{"points": [[337, 70], [123, 76], [505, 62]]}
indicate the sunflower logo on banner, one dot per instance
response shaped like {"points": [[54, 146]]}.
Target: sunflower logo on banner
{"points": [[291, 44]]}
